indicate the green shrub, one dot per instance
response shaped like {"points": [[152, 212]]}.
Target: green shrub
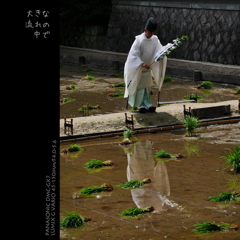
{"points": [[72, 220], [190, 123], [207, 85], [162, 154], [233, 157]]}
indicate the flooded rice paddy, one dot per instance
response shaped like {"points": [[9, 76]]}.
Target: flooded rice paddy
{"points": [[177, 192], [96, 92]]}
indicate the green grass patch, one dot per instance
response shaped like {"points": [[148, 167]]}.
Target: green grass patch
{"points": [[207, 85], [162, 154], [190, 123], [224, 197], [72, 220], [74, 148], [207, 227], [167, 79], [118, 85], [233, 158]]}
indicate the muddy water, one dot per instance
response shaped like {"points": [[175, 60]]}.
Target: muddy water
{"points": [[178, 189], [96, 92]]}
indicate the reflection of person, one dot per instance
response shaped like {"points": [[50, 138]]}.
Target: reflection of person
{"points": [[138, 72], [142, 165]]}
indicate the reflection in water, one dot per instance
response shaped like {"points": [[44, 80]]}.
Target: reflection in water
{"points": [[141, 164]]}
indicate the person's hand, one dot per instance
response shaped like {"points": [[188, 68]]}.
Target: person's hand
{"points": [[145, 65]]}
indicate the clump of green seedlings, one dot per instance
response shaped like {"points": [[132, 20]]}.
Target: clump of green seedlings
{"points": [[162, 154], [224, 197], [238, 91], [167, 79], [72, 220], [206, 85], [91, 78], [190, 123], [121, 75], [95, 189], [74, 148], [95, 163], [206, 227], [118, 85], [135, 183], [233, 158], [198, 97], [89, 70], [134, 108], [134, 212], [73, 86], [67, 99], [128, 133], [90, 107]]}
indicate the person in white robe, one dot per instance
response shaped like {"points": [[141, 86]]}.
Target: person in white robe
{"points": [[138, 70]]}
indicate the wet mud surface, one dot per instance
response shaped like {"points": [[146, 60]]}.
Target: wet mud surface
{"points": [[96, 92], [177, 191]]}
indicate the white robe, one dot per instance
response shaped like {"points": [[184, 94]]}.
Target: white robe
{"points": [[143, 51]]}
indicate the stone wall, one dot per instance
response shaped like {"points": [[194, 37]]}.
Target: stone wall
{"points": [[213, 30]]}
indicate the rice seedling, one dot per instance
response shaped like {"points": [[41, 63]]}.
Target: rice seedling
{"points": [[206, 227], [162, 154], [224, 197], [167, 79], [128, 133], [238, 91], [67, 99], [134, 108], [90, 107], [72, 86], [233, 158], [190, 123], [91, 78], [134, 183], [95, 189], [198, 97], [89, 70], [206, 85], [74, 148], [121, 75], [72, 220], [95, 163], [134, 211], [118, 85], [119, 94]]}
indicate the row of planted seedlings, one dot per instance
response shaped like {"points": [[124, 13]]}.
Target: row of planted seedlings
{"points": [[74, 219], [232, 159], [190, 123]]}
